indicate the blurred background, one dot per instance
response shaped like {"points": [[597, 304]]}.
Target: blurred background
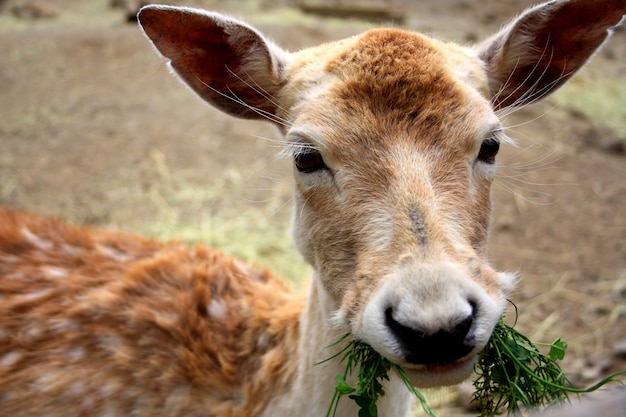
{"points": [[94, 130]]}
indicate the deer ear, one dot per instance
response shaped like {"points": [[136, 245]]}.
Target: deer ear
{"points": [[545, 46], [226, 62]]}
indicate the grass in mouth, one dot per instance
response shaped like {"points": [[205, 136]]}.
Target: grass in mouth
{"points": [[373, 370], [512, 373]]}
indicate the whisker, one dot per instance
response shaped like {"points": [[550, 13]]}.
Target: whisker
{"points": [[263, 113], [279, 143], [533, 94], [523, 99], [260, 91], [269, 116], [505, 85], [527, 122], [539, 199]]}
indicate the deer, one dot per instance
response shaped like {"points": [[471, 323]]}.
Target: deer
{"points": [[394, 139]]}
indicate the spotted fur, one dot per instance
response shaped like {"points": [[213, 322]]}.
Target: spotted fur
{"points": [[108, 323]]}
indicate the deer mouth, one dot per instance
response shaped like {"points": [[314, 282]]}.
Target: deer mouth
{"points": [[440, 374], [446, 367]]}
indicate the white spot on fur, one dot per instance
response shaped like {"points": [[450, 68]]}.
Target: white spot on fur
{"points": [[110, 389], [113, 253], [71, 249], [9, 259], [88, 402], [35, 295], [34, 332], [217, 309], [10, 359], [62, 325], [263, 341], [55, 272], [76, 354], [111, 411], [14, 275], [177, 400], [36, 240], [166, 317], [110, 343], [53, 380], [77, 388]]}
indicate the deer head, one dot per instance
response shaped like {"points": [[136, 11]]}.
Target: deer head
{"points": [[394, 139]]}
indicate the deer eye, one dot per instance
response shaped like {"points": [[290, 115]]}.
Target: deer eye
{"points": [[488, 150], [309, 160]]}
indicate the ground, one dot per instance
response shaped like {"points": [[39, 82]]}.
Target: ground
{"points": [[93, 129]]}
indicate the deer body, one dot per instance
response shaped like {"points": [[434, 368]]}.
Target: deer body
{"points": [[394, 137], [155, 318]]}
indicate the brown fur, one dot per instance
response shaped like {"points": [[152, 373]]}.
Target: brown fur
{"points": [[397, 97], [142, 311]]}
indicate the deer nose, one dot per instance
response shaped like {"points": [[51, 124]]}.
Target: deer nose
{"points": [[438, 347]]}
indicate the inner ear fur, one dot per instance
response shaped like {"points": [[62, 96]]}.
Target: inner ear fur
{"points": [[226, 62], [541, 49]]}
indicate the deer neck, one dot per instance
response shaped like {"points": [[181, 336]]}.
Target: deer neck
{"points": [[314, 385]]}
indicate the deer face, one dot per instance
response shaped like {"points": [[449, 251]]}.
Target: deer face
{"points": [[394, 153], [394, 139]]}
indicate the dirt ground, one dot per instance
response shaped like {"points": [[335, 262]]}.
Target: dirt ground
{"points": [[94, 129]]}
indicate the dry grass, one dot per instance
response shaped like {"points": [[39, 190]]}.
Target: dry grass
{"points": [[221, 215]]}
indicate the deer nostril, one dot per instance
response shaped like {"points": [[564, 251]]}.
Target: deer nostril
{"points": [[429, 348]]}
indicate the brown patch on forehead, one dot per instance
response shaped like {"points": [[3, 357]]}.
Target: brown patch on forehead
{"points": [[418, 225], [400, 75]]}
